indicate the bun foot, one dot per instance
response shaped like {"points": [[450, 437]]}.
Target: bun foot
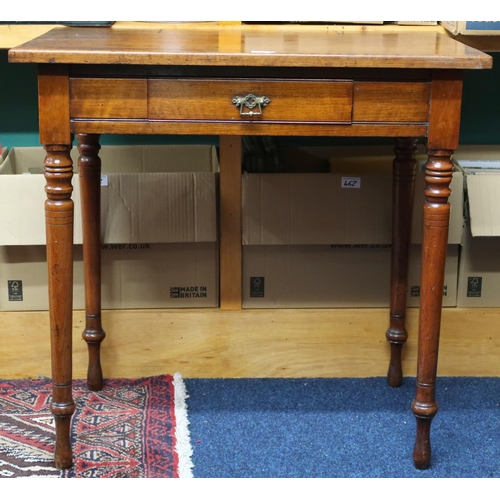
{"points": [[422, 449], [63, 455], [395, 372]]}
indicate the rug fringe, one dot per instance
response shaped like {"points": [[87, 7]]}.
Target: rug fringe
{"points": [[183, 439]]}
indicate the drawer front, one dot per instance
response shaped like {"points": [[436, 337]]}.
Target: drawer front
{"points": [[255, 100], [391, 102], [109, 98], [238, 100]]}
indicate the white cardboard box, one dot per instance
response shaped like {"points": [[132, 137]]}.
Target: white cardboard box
{"points": [[479, 274], [158, 228], [472, 27]]}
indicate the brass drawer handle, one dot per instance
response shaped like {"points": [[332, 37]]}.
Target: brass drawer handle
{"points": [[250, 101]]}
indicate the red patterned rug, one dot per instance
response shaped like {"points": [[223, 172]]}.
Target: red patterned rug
{"points": [[132, 428]]}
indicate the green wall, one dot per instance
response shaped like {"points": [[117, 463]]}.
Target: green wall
{"points": [[19, 117]]}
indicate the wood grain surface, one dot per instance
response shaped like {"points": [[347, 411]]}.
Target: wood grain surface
{"points": [[252, 343]]}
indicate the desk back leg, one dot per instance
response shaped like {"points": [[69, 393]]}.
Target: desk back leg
{"points": [[230, 222], [89, 171], [404, 170]]}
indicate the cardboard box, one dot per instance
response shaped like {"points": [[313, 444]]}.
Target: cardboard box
{"points": [[319, 276], [158, 228], [479, 273], [142, 276], [416, 23], [316, 243], [301, 209], [173, 202], [472, 27]]}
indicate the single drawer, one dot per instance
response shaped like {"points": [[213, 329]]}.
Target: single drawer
{"points": [[313, 101], [109, 98]]}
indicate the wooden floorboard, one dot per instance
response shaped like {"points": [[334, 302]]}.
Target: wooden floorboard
{"points": [[252, 343]]}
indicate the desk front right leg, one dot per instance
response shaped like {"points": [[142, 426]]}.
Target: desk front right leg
{"points": [[436, 216], [59, 227]]}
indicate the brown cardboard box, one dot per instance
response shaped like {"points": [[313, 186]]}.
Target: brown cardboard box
{"points": [[479, 273], [142, 275], [299, 209], [158, 228], [317, 243], [302, 276], [152, 194]]}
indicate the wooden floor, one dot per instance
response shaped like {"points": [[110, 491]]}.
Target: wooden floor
{"points": [[252, 343]]}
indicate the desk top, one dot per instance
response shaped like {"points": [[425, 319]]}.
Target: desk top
{"points": [[243, 46]]}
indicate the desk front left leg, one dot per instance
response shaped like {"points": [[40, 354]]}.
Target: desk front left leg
{"points": [[59, 226]]}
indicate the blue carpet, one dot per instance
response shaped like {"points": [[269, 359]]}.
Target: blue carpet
{"points": [[339, 428]]}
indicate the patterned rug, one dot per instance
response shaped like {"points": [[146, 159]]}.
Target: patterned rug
{"points": [[133, 428]]}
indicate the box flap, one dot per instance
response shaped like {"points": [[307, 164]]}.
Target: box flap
{"points": [[477, 152], [22, 217], [158, 158], [483, 193], [123, 159], [481, 167]]}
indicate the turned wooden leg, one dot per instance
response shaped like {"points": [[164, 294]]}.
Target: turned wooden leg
{"points": [[436, 215], [404, 170], [59, 227], [89, 170]]}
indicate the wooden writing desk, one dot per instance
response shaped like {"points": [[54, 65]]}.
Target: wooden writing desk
{"points": [[234, 81]]}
